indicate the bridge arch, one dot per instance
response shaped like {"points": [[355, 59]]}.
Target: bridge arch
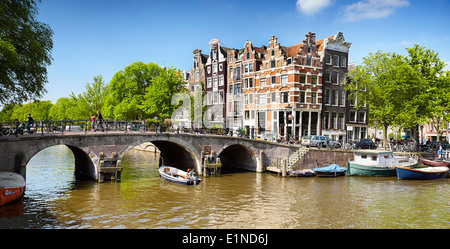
{"points": [[239, 154], [83, 158], [174, 152]]}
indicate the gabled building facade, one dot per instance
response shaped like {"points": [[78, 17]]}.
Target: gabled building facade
{"points": [[333, 52], [280, 92], [216, 87]]}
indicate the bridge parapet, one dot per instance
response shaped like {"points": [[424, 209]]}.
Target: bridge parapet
{"points": [[99, 154]]}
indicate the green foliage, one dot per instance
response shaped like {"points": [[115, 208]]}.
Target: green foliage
{"points": [[402, 91], [127, 90], [25, 52], [142, 91]]}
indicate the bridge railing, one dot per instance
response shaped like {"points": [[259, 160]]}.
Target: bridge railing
{"points": [[114, 125]]}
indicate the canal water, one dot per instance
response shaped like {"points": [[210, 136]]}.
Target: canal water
{"points": [[242, 199]]}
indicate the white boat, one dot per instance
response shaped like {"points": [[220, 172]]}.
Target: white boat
{"points": [[175, 175], [378, 163]]}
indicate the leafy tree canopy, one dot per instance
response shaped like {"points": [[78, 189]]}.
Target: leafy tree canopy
{"points": [[25, 51]]}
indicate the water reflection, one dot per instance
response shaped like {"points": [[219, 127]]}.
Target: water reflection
{"points": [[54, 199]]}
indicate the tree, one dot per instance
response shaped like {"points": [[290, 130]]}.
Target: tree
{"points": [[432, 99], [95, 95], [25, 51], [383, 82], [127, 90], [158, 99]]}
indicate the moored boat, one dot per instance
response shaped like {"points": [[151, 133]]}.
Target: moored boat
{"points": [[377, 163], [333, 170], [435, 163], [12, 186], [429, 173], [302, 172], [175, 175]]}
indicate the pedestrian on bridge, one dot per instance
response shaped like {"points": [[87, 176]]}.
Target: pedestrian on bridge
{"points": [[92, 122], [100, 121]]}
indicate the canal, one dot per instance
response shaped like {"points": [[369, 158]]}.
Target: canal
{"points": [[239, 199]]}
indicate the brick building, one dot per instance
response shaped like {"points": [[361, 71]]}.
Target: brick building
{"points": [[334, 51], [215, 87]]}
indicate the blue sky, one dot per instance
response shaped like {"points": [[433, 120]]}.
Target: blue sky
{"points": [[104, 36]]}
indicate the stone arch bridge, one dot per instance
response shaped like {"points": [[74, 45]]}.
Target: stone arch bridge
{"points": [[98, 154]]}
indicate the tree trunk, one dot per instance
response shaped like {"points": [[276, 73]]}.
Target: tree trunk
{"points": [[385, 137]]}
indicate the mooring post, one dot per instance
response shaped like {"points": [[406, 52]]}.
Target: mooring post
{"points": [[283, 169]]}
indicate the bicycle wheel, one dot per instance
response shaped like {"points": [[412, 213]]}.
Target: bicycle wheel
{"points": [[6, 132]]}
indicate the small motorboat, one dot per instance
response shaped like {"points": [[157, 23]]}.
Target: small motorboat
{"points": [[12, 186], [435, 163], [333, 170], [429, 173], [302, 172], [175, 175]]}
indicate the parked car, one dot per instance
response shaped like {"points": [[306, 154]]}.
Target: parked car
{"points": [[365, 144], [320, 141]]}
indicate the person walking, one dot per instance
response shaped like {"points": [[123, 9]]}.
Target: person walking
{"points": [[92, 122], [100, 121], [30, 122]]}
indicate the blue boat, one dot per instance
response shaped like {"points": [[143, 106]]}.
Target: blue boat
{"points": [[333, 170], [429, 173]]}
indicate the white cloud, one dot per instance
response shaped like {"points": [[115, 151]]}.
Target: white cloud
{"points": [[310, 7], [372, 9]]}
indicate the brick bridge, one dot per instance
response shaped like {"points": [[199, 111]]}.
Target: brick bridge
{"points": [[98, 154]]}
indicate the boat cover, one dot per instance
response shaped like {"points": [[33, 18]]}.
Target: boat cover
{"points": [[331, 168]]}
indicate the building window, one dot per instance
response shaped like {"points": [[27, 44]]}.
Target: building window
{"points": [[302, 96], [362, 117], [341, 121], [342, 98], [334, 77], [284, 97], [327, 76], [273, 97], [326, 117], [313, 97], [335, 97], [247, 114], [221, 80], [221, 97], [231, 89], [308, 61], [313, 79], [272, 64], [352, 117], [289, 61], [335, 61], [237, 89], [333, 120], [214, 68], [274, 79], [262, 82], [215, 83], [303, 78], [326, 96], [284, 79], [248, 55], [262, 98], [343, 61], [273, 52], [208, 83], [220, 67], [328, 59]]}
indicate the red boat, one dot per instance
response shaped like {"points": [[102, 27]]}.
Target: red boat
{"points": [[435, 163], [12, 186]]}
